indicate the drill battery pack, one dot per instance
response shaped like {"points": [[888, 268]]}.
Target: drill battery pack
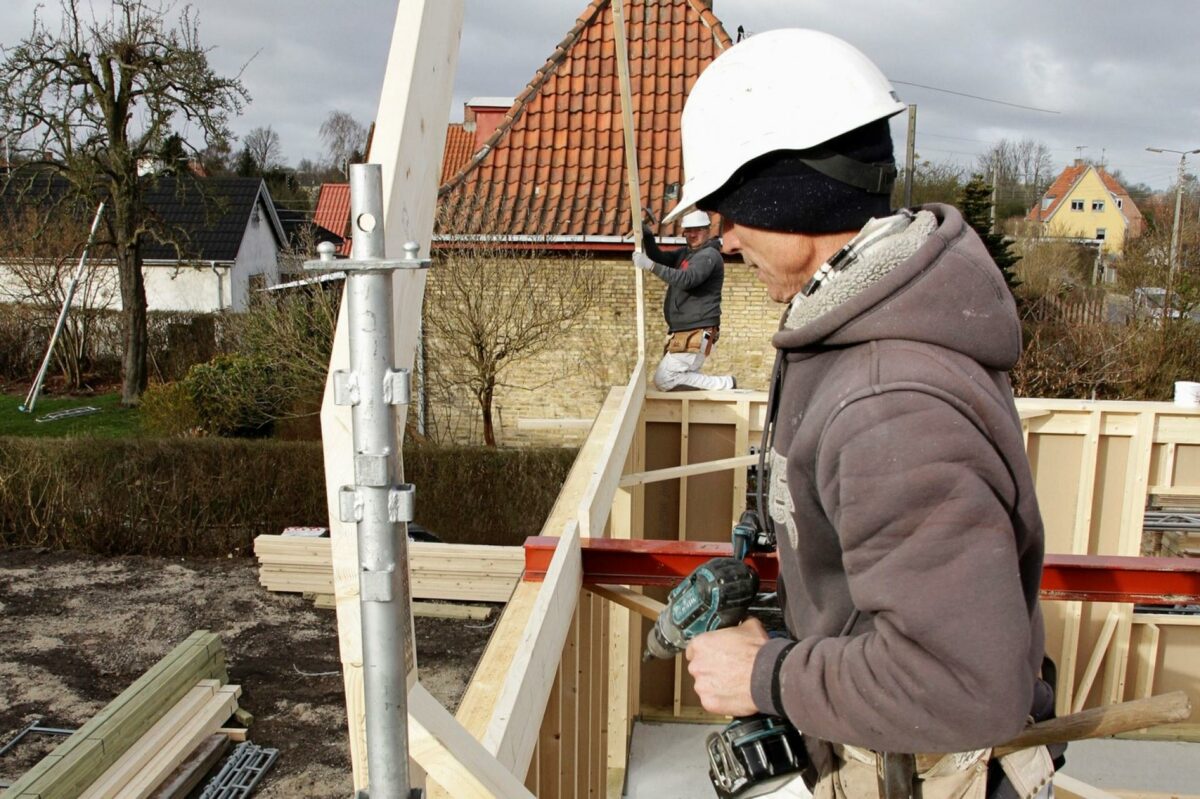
{"points": [[753, 756]]}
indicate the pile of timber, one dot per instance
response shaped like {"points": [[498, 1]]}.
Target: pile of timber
{"points": [[304, 565], [157, 739]]}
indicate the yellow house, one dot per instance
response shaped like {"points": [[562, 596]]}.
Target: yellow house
{"points": [[1086, 203]]}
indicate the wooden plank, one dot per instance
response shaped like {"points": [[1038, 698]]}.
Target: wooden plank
{"points": [[518, 711], [568, 724], [441, 610], [188, 774], [632, 174], [452, 757], [1067, 787], [707, 467], [1093, 666], [83, 757], [1147, 659], [165, 753], [113, 780], [586, 725], [1137, 482], [626, 597], [596, 503], [408, 142], [1081, 535], [741, 448]]}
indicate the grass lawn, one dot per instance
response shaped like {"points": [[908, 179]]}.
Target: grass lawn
{"points": [[112, 421]]}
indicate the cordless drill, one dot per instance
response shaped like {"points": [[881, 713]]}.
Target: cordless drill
{"points": [[754, 753]]}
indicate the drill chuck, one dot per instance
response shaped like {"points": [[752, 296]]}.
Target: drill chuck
{"points": [[717, 594]]}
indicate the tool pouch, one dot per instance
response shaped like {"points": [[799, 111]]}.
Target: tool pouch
{"points": [[700, 340], [960, 775]]}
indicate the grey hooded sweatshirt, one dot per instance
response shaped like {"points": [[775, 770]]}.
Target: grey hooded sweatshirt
{"points": [[910, 542]]}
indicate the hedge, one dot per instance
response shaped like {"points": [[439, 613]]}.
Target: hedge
{"points": [[211, 497]]}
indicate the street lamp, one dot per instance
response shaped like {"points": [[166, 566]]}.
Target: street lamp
{"points": [[1173, 258]]}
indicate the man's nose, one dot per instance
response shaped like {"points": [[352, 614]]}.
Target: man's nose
{"points": [[729, 243]]}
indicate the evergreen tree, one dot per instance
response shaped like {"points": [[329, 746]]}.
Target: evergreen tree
{"points": [[975, 202]]}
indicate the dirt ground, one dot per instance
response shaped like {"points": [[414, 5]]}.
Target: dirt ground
{"points": [[77, 630]]}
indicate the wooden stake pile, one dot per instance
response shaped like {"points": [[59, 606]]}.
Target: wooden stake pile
{"points": [[147, 737]]}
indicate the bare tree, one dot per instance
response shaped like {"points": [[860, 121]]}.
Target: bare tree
{"points": [[264, 148], [1022, 171], [41, 258], [345, 139], [490, 306], [933, 182], [97, 100]]}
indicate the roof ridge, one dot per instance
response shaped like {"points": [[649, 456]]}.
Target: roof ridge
{"points": [[531, 89], [721, 37]]}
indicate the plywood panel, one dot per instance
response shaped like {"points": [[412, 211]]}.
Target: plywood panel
{"points": [[710, 496], [661, 499]]}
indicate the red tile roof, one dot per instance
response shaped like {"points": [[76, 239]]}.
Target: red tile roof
{"points": [[333, 212], [556, 165], [460, 146], [1057, 192]]}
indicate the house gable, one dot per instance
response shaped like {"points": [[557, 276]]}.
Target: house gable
{"points": [[1087, 203]]}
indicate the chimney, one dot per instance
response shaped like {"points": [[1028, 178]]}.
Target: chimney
{"points": [[483, 115]]}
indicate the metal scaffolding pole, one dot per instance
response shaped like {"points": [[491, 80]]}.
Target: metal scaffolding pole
{"points": [[377, 503]]}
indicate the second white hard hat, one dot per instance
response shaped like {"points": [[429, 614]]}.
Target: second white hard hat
{"points": [[789, 89], [696, 219]]}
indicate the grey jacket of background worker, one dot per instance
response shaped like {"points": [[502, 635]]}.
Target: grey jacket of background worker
{"points": [[694, 280], [904, 506]]}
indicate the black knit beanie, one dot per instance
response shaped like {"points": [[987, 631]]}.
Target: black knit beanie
{"points": [[779, 191]]}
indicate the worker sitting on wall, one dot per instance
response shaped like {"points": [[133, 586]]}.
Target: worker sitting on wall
{"points": [[694, 276], [908, 531]]}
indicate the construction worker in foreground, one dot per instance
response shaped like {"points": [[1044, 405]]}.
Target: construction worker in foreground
{"points": [[694, 276], [908, 532]]}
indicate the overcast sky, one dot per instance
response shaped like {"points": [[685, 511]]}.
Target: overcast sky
{"points": [[1119, 76]]}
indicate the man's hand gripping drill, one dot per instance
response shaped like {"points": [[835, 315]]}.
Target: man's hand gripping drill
{"points": [[754, 751]]}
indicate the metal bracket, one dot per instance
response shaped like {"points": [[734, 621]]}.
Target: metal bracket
{"points": [[402, 500], [375, 586], [397, 387], [370, 470], [409, 261], [346, 390], [350, 505]]}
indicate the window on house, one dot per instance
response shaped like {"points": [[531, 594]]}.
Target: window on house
{"points": [[1100, 234], [1097, 205], [257, 282], [1120, 203], [1076, 205]]}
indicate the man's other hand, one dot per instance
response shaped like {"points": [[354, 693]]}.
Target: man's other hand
{"points": [[721, 662], [642, 261]]}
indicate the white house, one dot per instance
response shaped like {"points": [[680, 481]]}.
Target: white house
{"points": [[225, 240]]}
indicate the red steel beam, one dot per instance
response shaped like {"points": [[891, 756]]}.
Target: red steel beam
{"points": [[1150, 581]]}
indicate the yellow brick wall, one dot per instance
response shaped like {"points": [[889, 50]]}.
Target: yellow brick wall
{"points": [[571, 381]]}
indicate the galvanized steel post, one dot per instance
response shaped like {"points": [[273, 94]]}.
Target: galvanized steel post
{"points": [[377, 503]]}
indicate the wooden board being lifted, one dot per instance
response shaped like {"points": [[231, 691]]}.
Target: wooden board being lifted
{"points": [[473, 573]]}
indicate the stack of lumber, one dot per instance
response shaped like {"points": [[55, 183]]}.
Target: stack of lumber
{"points": [[144, 735], [469, 572]]}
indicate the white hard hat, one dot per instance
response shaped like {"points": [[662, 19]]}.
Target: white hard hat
{"points": [[696, 219], [789, 89]]}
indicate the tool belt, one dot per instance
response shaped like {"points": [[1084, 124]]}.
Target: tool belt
{"points": [[864, 774], [699, 340]]}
